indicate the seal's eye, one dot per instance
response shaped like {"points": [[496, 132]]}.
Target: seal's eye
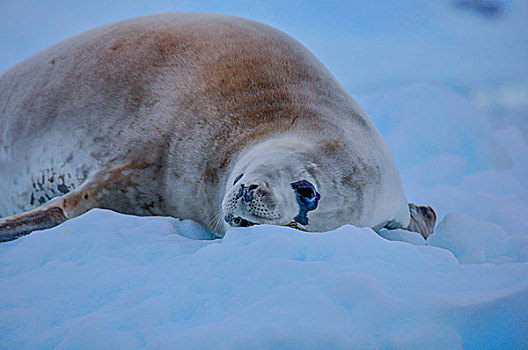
{"points": [[305, 191], [238, 178]]}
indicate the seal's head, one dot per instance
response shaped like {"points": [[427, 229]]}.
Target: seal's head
{"points": [[283, 184], [270, 200]]}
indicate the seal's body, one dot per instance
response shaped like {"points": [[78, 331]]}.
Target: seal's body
{"points": [[160, 115]]}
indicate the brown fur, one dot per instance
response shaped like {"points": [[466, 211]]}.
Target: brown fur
{"points": [[148, 116]]}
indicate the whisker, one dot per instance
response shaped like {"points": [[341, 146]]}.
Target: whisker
{"points": [[216, 221]]}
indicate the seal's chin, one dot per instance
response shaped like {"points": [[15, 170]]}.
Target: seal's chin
{"points": [[238, 221]]}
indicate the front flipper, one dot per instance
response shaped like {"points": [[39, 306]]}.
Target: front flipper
{"points": [[13, 227], [116, 188], [423, 219], [47, 215]]}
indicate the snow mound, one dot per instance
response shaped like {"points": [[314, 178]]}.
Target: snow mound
{"points": [[473, 241], [403, 236], [106, 280]]}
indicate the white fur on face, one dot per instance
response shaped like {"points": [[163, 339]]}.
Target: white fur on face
{"points": [[262, 195], [260, 188]]}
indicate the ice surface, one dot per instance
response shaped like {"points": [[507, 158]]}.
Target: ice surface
{"points": [[403, 236], [106, 280]]}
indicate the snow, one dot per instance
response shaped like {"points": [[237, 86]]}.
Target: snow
{"points": [[110, 280], [107, 280], [473, 241]]}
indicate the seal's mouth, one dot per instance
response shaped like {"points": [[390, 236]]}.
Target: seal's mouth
{"points": [[238, 221]]}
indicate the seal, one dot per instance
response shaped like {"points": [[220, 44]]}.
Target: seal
{"points": [[213, 118]]}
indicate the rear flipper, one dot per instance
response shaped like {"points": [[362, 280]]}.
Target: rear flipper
{"points": [[423, 219]]}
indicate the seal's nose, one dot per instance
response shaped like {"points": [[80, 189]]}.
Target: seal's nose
{"points": [[246, 192]]}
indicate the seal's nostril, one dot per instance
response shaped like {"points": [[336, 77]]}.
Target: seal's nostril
{"points": [[228, 218], [248, 193]]}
